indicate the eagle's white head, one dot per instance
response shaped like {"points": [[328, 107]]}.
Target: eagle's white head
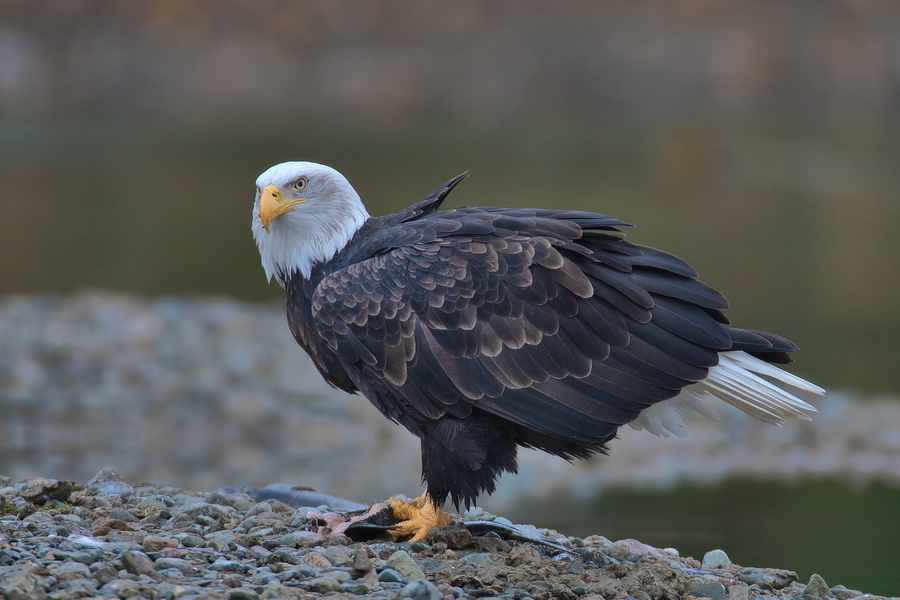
{"points": [[304, 213]]}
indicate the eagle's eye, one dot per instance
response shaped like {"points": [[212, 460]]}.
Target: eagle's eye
{"points": [[300, 184]]}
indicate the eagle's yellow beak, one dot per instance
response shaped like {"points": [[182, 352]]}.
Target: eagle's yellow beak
{"points": [[272, 205]]}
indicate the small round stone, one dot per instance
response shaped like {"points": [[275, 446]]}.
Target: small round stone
{"points": [[715, 559]]}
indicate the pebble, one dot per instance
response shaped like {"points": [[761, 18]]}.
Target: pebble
{"points": [[715, 559], [323, 585], [420, 589], [137, 563], [839, 592], [705, 588], [407, 567], [767, 578], [174, 553], [817, 588], [154, 543], [629, 550], [390, 576]]}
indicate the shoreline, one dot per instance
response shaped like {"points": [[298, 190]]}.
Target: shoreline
{"points": [[111, 538]]}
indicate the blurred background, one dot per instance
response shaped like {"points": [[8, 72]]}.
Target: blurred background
{"points": [[756, 139]]}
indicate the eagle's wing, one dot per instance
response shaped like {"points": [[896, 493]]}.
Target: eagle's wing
{"points": [[549, 319]]}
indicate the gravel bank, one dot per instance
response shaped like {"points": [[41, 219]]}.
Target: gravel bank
{"points": [[205, 393], [111, 538]]}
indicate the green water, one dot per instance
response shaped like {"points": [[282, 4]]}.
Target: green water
{"points": [[798, 227], [849, 536]]}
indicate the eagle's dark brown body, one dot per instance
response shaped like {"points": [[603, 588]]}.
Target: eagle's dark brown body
{"points": [[484, 329]]}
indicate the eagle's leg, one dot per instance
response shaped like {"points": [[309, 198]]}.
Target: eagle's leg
{"points": [[418, 517]]}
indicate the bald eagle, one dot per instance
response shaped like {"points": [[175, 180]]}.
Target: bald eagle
{"points": [[483, 329]]}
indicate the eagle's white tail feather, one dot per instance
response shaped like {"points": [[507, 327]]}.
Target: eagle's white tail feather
{"points": [[755, 365], [735, 380]]}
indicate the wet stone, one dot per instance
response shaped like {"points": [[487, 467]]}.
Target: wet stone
{"points": [[225, 565], [323, 585], [767, 578], [282, 556], [137, 563], [356, 588], [317, 560], [153, 543], [39, 490], [715, 559], [705, 588], [420, 589], [629, 550], [191, 541], [185, 567], [840, 592], [817, 588], [242, 593], [401, 561], [391, 576]]}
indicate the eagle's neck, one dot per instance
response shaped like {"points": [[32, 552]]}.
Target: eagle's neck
{"points": [[299, 240]]}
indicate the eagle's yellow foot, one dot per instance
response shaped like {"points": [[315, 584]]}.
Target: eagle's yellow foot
{"points": [[417, 518]]}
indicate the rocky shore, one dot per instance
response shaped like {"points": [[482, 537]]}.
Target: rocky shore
{"points": [[110, 538], [206, 392]]}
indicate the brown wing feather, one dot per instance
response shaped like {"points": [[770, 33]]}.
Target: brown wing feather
{"points": [[523, 315]]}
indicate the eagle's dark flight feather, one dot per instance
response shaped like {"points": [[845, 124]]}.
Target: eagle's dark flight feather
{"points": [[483, 328]]}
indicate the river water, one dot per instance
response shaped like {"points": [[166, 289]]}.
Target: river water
{"points": [[797, 226]]}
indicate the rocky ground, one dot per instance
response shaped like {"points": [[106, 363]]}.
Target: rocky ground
{"points": [[203, 393], [110, 538]]}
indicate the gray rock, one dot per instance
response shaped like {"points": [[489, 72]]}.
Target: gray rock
{"points": [[841, 593], [259, 508], [475, 559], [192, 511], [217, 498], [87, 556], [817, 588], [81, 588], [407, 567], [189, 540], [282, 556], [767, 578], [25, 579], [71, 570], [420, 589], [242, 593], [169, 573], [391, 576], [338, 575], [361, 561], [39, 490], [109, 483], [629, 550], [738, 592], [295, 539], [715, 559], [123, 588], [322, 585], [525, 556], [122, 515], [300, 573], [224, 565], [705, 588], [155, 543], [356, 588], [137, 563], [102, 572], [186, 567]]}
